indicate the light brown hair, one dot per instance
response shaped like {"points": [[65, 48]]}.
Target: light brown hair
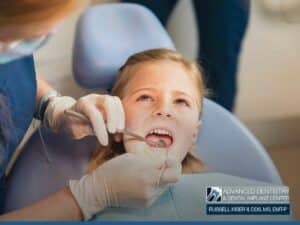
{"points": [[31, 14], [191, 163]]}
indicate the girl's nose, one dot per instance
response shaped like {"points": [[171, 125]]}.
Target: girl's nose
{"points": [[163, 109], [160, 113]]}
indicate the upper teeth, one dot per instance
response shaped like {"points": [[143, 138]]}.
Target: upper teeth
{"points": [[160, 131]]}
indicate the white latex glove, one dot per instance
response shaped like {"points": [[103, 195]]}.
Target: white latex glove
{"points": [[104, 112], [128, 180]]}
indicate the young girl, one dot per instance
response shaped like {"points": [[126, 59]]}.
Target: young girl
{"points": [[162, 95]]}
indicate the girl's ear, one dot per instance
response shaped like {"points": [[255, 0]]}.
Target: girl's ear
{"points": [[195, 135], [199, 124], [118, 137]]}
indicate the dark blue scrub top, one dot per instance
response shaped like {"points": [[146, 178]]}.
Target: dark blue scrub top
{"points": [[18, 85]]}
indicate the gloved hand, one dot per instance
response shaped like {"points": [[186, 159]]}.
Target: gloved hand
{"points": [[128, 180], [104, 112]]}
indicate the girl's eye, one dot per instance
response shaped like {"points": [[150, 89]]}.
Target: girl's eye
{"points": [[182, 101], [145, 98]]}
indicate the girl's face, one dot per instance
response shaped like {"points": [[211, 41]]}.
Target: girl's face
{"points": [[161, 103]]}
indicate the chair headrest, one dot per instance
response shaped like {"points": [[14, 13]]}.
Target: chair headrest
{"points": [[107, 34]]}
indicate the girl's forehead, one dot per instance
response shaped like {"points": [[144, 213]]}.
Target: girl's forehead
{"points": [[162, 75], [159, 71]]}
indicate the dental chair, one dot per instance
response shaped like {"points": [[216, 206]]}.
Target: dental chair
{"points": [[224, 143], [106, 35]]}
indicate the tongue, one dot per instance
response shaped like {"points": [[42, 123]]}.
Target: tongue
{"points": [[158, 138]]}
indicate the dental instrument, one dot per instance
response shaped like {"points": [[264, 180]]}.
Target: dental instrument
{"points": [[159, 144]]}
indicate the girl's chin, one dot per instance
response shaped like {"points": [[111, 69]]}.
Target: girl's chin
{"points": [[150, 153]]}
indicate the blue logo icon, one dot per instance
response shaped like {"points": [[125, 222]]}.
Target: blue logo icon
{"points": [[213, 194]]}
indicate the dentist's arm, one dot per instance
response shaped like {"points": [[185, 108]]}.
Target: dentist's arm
{"points": [[60, 206], [42, 88], [125, 181]]}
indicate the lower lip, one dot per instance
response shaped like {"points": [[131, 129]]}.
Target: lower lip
{"points": [[156, 145], [157, 140]]}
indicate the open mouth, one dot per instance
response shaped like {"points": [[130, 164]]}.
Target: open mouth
{"points": [[160, 135]]}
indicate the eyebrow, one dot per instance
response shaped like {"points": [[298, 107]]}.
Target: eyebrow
{"points": [[193, 99], [142, 89], [153, 89], [183, 93]]}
